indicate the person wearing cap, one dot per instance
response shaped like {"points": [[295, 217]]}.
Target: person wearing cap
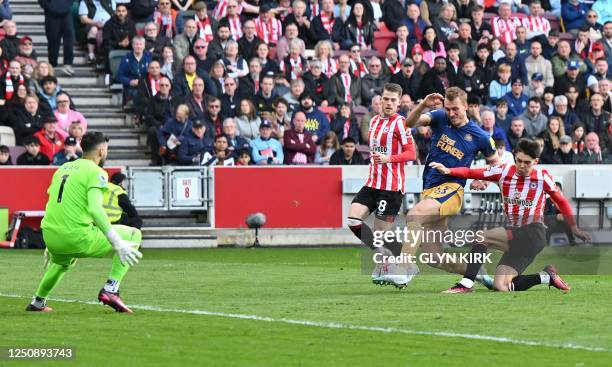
{"points": [[408, 79], [265, 149], [572, 77], [536, 63], [194, 144], [536, 86], [207, 26], [317, 122], [117, 204], [517, 100], [26, 54], [565, 154], [562, 58], [32, 156], [68, 154], [49, 139]]}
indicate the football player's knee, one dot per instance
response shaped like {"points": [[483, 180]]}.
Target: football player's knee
{"points": [[136, 236], [353, 222]]}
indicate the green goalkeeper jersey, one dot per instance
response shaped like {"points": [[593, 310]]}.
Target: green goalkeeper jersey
{"points": [[67, 208]]}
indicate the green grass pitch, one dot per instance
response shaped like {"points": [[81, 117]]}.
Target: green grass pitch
{"points": [[233, 307]]}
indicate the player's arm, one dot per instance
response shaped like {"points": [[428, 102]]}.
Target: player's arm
{"points": [[124, 249], [486, 174], [566, 210], [417, 117], [408, 149]]}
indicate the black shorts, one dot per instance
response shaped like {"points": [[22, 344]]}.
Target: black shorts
{"points": [[525, 244], [380, 202]]}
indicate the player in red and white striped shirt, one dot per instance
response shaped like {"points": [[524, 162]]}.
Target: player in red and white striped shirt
{"points": [[391, 146], [524, 189]]}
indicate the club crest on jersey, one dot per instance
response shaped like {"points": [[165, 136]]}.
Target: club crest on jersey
{"points": [[386, 129], [533, 185], [468, 137]]}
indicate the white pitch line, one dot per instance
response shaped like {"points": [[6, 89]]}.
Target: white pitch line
{"points": [[337, 325]]}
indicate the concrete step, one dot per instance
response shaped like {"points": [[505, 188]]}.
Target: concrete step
{"points": [[128, 162], [81, 81], [31, 18], [123, 142], [94, 101], [106, 123]]}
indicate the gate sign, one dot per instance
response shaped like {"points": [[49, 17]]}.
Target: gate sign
{"points": [[187, 189]]}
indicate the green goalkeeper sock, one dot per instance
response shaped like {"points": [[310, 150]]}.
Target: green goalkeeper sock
{"points": [[51, 279], [119, 270]]}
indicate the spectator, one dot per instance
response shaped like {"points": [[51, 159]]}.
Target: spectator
{"points": [[316, 122], [473, 110], [596, 119], [501, 86], [517, 100], [552, 135], [169, 21], [155, 112], [467, 46], [196, 101], [168, 65], [220, 156], [148, 85], [445, 25], [32, 156], [536, 63], [48, 95], [294, 65], [244, 158], [268, 28], [504, 26], [170, 134], [342, 10], [563, 58], [142, 10], [408, 79], [194, 145], [533, 118], [235, 142], [521, 42], [282, 48], [359, 29], [372, 84], [601, 70], [562, 110], [76, 131], [280, 118], [347, 155], [94, 14], [505, 155], [572, 77], [213, 116], [10, 43], [578, 133], [233, 18], [536, 86], [346, 86], [154, 43], [574, 15], [49, 139], [548, 101], [134, 67], [203, 63], [299, 147], [230, 98], [502, 119], [216, 47], [298, 17], [516, 63], [481, 31], [414, 23], [41, 70], [183, 42], [183, 81], [247, 44], [488, 125], [604, 88], [565, 154], [592, 153], [117, 204], [318, 84], [26, 119], [324, 53], [265, 149], [26, 55], [516, 132], [471, 80], [391, 11], [5, 155], [234, 64], [432, 47], [364, 128], [536, 25], [207, 26], [602, 10], [266, 95], [66, 116], [325, 26], [247, 120], [5, 11], [345, 125], [438, 79], [328, 147], [296, 88], [11, 80], [358, 65], [217, 74], [68, 154], [485, 64], [58, 26], [582, 45]]}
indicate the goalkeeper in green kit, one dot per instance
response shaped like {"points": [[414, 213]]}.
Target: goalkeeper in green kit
{"points": [[75, 225]]}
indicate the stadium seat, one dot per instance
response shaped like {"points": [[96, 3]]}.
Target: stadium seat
{"points": [[383, 27], [188, 14], [330, 111], [364, 150], [7, 136], [309, 54], [382, 40], [2, 34], [140, 28], [115, 57], [16, 152], [359, 112]]}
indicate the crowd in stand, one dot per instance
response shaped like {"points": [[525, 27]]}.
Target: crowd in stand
{"points": [[233, 82]]}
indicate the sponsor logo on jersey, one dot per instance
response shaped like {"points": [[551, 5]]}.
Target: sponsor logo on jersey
{"points": [[447, 145], [379, 149]]}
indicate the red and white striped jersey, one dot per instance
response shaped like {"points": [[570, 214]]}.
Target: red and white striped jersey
{"points": [[220, 10], [523, 196], [269, 32], [388, 136], [505, 30], [536, 26]]}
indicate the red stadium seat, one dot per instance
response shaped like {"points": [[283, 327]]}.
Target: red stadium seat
{"points": [[2, 34], [140, 29], [329, 111], [383, 27], [382, 40]]}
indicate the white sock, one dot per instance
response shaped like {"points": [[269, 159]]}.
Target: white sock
{"points": [[468, 283], [38, 302], [544, 277], [112, 286]]}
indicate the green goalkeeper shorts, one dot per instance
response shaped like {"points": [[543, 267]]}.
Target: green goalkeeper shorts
{"points": [[66, 246]]}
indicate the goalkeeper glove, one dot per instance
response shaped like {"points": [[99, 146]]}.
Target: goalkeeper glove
{"points": [[126, 250]]}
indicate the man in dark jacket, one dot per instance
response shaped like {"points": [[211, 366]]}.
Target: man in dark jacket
{"points": [[392, 10], [299, 148], [118, 32], [347, 155], [181, 86], [154, 43], [58, 26], [10, 43], [154, 112], [565, 154], [32, 156], [170, 134], [317, 84], [193, 145], [407, 79], [437, 79], [372, 84]]}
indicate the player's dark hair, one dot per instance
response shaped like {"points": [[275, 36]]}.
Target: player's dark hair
{"points": [[393, 88], [348, 140], [529, 147], [500, 143], [92, 140]]}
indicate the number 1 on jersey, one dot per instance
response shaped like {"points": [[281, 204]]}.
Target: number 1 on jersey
{"points": [[61, 189]]}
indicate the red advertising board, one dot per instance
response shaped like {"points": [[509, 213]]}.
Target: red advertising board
{"points": [[290, 197]]}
